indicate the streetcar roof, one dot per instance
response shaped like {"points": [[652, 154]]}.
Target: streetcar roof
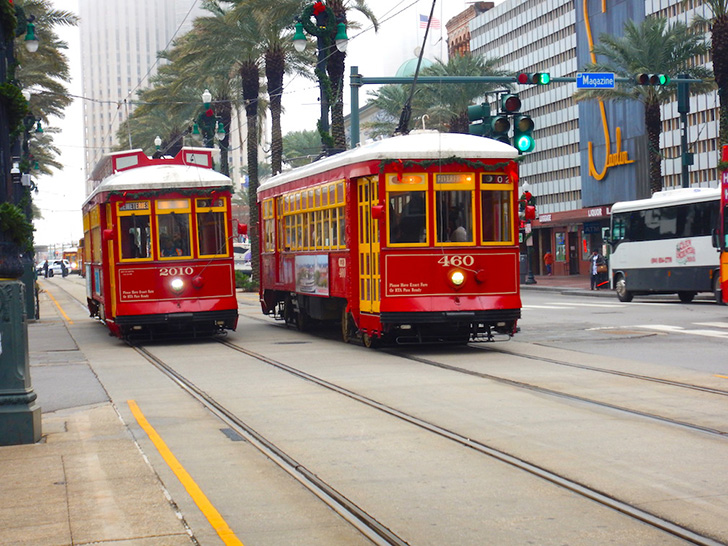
{"points": [[417, 145], [162, 177], [668, 198]]}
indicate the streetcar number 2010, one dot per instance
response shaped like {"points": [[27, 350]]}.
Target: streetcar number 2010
{"points": [[170, 271], [456, 261]]}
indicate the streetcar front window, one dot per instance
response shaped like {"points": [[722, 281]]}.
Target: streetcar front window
{"points": [[454, 216], [135, 237], [496, 214], [173, 227], [407, 217]]}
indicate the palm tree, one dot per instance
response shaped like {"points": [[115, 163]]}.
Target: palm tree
{"points": [[44, 73], [449, 103], [301, 147], [653, 46], [718, 25], [279, 57], [335, 66]]}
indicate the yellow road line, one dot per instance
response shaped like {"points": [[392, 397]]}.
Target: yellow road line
{"points": [[59, 307], [722, 376], [205, 506]]}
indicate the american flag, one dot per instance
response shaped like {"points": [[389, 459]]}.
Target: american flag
{"points": [[434, 24]]}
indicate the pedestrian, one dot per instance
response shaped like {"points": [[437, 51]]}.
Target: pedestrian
{"points": [[548, 261], [594, 262], [64, 269], [45, 269]]}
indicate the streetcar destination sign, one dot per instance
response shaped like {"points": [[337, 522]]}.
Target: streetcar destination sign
{"points": [[595, 80]]}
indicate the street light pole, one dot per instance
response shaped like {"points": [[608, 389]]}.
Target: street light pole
{"points": [[20, 414], [328, 31]]}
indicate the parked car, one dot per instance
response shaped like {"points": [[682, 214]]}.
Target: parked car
{"points": [[241, 255], [54, 268]]}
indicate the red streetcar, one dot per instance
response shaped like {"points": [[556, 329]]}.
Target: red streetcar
{"points": [[158, 256], [412, 239]]}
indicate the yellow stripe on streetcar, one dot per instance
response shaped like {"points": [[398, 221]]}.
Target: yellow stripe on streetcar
{"points": [[202, 502]]}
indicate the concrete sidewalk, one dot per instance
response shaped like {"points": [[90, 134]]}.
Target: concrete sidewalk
{"points": [[86, 481]]}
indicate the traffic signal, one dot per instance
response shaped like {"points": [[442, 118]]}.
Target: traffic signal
{"points": [[523, 134], [652, 79], [479, 115], [500, 125], [538, 78], [510, 103]]}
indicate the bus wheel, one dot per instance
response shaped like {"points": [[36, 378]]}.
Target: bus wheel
{"points": [[717, 292], [686, 297], [623, 294], [348, 330]]}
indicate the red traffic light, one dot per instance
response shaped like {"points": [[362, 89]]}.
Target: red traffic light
{"points": [[538, 78], [510, 103]]}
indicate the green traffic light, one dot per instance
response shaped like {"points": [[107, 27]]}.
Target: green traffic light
{"points": [[544, 78], [524, 143]]}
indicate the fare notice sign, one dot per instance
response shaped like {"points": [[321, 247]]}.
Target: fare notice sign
{"points": [[595, 80]]}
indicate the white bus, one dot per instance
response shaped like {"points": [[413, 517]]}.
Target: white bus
{"points": [[662, 245]]}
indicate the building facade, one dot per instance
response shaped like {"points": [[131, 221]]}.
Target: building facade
{"points": [[588, 155]]}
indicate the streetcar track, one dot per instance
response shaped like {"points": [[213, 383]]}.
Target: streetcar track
{"points": [[600, 497], [369, 526], [347, 509], [670, 382]]}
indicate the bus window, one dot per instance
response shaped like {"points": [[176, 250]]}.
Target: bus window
{"points": [[407, 217], [454, 216]]}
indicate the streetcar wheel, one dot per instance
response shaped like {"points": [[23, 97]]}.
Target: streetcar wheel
{"points": [[288, 312], [303, 322], [370, 342], [348, 330], [623, 294], [686, 297]]}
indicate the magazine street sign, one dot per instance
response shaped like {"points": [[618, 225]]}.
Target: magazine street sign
{"points": [[595, 80]]}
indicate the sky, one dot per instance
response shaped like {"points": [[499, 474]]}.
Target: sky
{"points": [[61, 195]]}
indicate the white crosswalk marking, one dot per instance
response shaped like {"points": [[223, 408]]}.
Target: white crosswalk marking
{"points": [[713, 324], [572, 305], [680, 330]]}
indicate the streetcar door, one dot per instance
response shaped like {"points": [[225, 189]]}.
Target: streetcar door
{"points": [[369, 275]]}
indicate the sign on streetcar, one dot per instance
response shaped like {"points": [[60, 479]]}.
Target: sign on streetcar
{"points": [[595, 80]]}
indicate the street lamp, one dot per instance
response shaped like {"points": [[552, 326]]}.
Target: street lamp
{"points": [[328, 32]]}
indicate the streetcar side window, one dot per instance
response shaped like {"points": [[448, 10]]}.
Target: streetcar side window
{"points": [[211, 232], [173, 227], [496, 209]]}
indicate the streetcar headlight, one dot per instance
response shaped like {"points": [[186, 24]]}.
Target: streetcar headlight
{"points": [[177, 284], [457, 278]]}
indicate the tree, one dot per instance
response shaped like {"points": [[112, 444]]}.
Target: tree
{"points": [[335, 67], [301, 147], [449, 103], [653, 46], [718, 25]]}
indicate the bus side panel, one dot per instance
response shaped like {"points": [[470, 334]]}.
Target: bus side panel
{"points": [[670, 279]]}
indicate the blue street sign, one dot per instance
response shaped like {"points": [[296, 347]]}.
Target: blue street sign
{"points": [[594, 80]]}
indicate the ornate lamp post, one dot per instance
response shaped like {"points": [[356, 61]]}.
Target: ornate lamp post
{"points": [[20, 414], [328, 32], [210, 125]]}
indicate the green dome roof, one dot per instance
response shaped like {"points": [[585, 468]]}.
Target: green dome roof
{"points": [[408, 67]]}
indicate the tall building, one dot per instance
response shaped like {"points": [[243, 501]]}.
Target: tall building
{"points": [[588, 155], [119, 45]]}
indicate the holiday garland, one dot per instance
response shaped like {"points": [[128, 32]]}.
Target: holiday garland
{"points": [[149, 194], [509, 167]]}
